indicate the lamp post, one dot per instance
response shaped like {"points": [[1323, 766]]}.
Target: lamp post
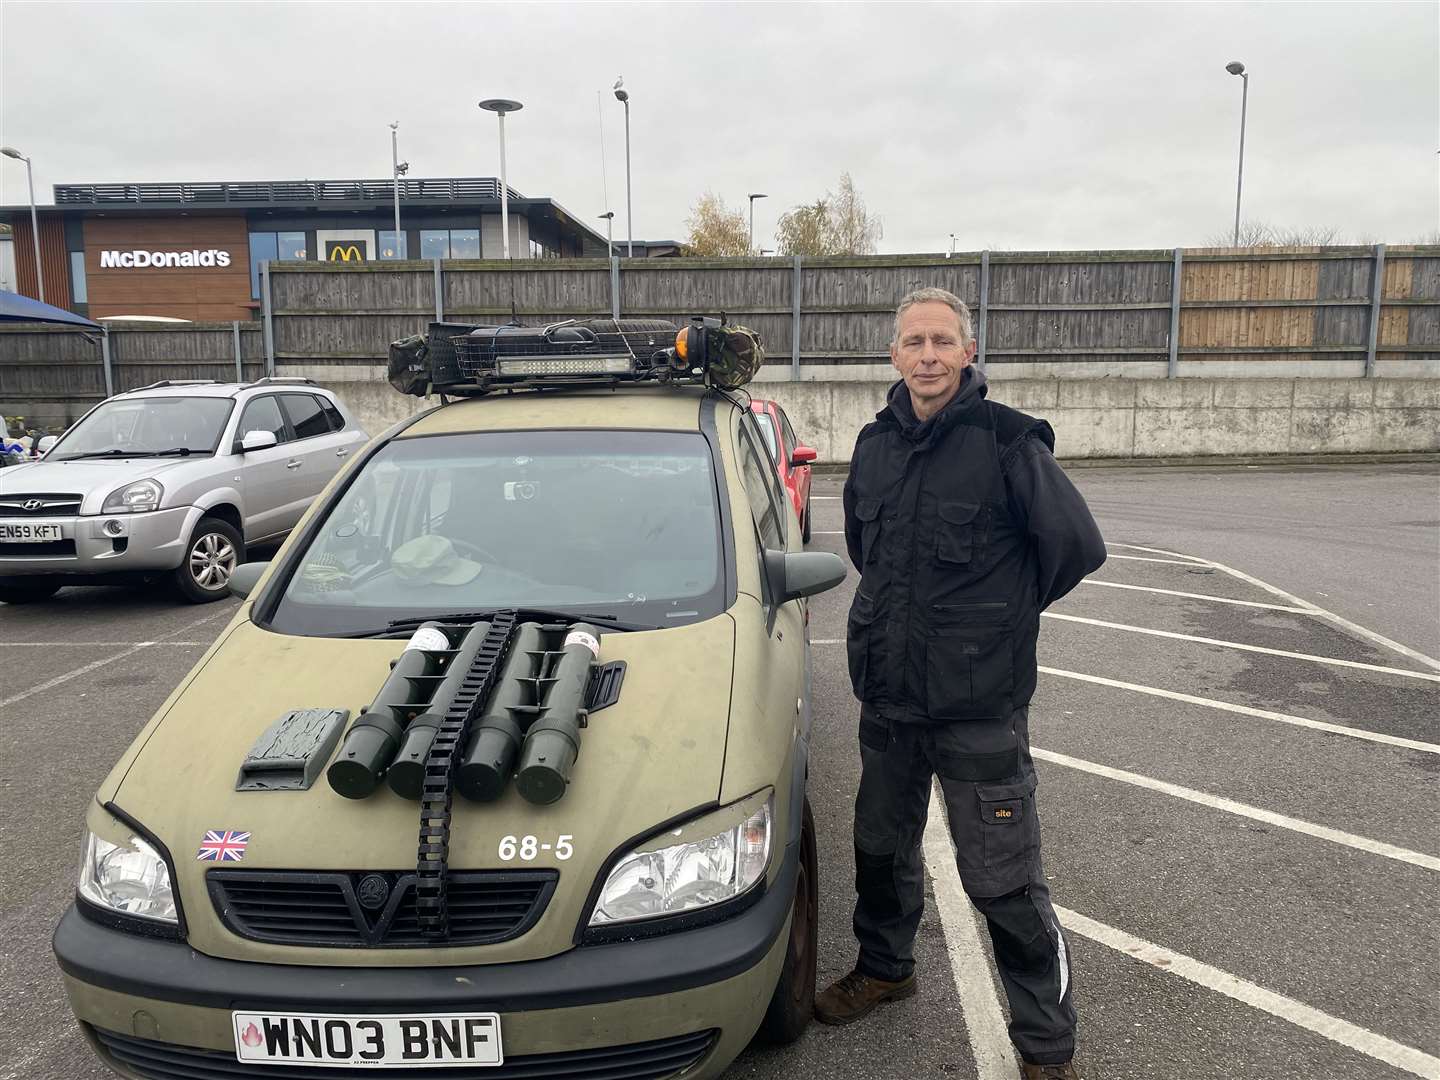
{"points": [[1235, 67], [952, 247], [624, 98], [753, 197], [398, 169], [11, 152], [609, 218], [501, 106]]}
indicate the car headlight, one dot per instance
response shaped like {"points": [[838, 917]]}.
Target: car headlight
{"points": [[128, 879], [134, 498], [714, 861]]}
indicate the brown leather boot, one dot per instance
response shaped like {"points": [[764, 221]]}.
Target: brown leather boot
{"points": [[853, 996], [1050, 1072]]}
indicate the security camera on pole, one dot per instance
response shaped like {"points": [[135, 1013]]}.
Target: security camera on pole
{"points": [[501, 106]]}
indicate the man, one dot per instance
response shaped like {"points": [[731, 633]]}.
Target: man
{"points": [[964, 529]]}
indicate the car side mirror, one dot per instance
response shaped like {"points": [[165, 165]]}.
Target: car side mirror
{"points": [[803, 455], [44, 445], [258, 440], [794, 574], [246, 576]]}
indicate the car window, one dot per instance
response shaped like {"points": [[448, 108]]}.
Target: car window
{"points": [[332, 414], [758, 475], [141, 426], [624, 523], [791, 442], [262, 414], [766, 423], [306, 418]]}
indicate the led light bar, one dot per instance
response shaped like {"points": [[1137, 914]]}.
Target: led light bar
{"points": [[564, 365]]}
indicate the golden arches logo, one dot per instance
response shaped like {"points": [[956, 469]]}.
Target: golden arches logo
{"points": [[347, 253]]}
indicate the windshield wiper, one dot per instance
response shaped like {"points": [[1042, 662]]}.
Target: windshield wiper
{"points": [[174, 451], [532, 614]]}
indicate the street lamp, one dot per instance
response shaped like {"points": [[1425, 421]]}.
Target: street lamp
{"points": [[1235, 67], [398, 169], [752, 218], [501, 106], [11, 152], [609, 218], [624, 99], [952, 247]]}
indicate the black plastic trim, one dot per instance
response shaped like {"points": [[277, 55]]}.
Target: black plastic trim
{"points": [[709, 427], [584, 976]]}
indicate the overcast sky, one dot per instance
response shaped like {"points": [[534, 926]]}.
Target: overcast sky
{"points": [[1022, 126]]}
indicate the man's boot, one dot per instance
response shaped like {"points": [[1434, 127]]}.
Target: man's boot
{"points": [[1050, 1072], [853, 996]]}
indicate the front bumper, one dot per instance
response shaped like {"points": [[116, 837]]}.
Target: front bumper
{"points": [[590, 999], [148, 542]]}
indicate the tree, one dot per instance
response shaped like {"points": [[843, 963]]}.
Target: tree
{"points": [[1263, 234], [838, 224], [804, 230], [716, 230]]}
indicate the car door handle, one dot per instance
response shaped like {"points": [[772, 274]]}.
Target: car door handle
{"points": [[292, 464], [341, 453]]}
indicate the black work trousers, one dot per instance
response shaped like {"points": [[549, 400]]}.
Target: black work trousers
{"points": [[988, 783]]}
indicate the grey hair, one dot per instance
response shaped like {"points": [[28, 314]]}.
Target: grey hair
{"points": [[937, 296]]}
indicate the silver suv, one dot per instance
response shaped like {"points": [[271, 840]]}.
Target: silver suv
{"points": [[173, 479]]}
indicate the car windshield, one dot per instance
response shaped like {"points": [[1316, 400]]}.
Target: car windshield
{"points": [[619, 523], [143, 427]]}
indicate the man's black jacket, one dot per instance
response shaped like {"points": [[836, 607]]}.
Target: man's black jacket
{"points": [[963, 529]]}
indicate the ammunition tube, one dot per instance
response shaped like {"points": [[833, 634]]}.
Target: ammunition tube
{"points": [[553, 742], [374, 737], [407, 775], [488, 761]]}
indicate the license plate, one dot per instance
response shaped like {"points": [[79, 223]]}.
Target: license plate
{"points": [[417, 1040], [30, 534]]}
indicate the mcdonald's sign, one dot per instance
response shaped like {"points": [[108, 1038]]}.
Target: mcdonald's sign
{"points": [[343, 251]]}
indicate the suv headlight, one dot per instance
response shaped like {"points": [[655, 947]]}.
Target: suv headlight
{"points": [[717, 858], [129, 879], [134, 498]]}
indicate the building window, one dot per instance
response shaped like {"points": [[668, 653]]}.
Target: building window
{"points": [[264, 247], [434, 243], [465, 243], [292, 245], [78, 292], [392, 244], [450, 243]]}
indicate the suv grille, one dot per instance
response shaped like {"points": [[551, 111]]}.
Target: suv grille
{"points": [[50, 505], [373, 909], [653, 1060]]}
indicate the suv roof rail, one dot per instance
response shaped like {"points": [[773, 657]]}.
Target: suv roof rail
{"points": [[268, 379], [173, 382]]}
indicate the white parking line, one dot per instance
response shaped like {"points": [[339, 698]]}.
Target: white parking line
{"points": [[1255, 813], [1146, 558], [1243, 646], [979, 1002], [1200, 596], [827, 498], [1222, 982], [827, 532], [1246, 710]]}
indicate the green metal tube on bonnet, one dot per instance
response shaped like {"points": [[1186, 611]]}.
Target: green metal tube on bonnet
{"points": [[553, 742], [407, 773], [489, 760], [372, 740]]}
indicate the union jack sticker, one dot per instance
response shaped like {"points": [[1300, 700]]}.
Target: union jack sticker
{"points": [[225, 845]]}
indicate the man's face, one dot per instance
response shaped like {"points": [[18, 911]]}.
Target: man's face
{"points": [[930, 355]]}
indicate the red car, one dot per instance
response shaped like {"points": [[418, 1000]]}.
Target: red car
{"points": [[792, 458]]}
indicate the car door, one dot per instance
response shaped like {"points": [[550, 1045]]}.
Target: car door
{"points": [[319, 449], [266, 475]]}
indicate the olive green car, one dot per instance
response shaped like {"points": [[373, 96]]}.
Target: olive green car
{"points": [[645, 925]]}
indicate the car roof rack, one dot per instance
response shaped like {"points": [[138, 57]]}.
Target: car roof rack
{"points": [[269, 380], [174, 382]]}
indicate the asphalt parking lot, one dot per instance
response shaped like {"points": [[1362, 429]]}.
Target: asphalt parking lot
{"points": [[1237, 733]]}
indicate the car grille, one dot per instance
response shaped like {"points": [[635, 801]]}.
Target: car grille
{"points": [[375, 910], [653, 1060], [51, 505], [44, 549]]}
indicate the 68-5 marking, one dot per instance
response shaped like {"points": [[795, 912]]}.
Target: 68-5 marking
{"points": [[528, 848]]}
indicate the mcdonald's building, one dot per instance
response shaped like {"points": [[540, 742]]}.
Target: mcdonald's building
{"points": [[194, 251]]}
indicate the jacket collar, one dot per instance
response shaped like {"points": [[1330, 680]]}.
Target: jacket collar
{"points": [[901, 413]]}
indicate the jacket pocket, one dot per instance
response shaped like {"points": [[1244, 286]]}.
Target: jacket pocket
{"points": [[955, 532], [862, 647], [867, 512], [970, 669], [1009, 827]]}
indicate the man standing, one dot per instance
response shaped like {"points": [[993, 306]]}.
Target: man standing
{"points": [[964, 529]]}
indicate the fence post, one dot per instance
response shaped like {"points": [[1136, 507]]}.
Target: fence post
{"points": [[439, 292], [1377, 294], [1176, 276], [795, 323], [105, 361], [984, 307], [268, 309], [239, 366], [615, 287]]}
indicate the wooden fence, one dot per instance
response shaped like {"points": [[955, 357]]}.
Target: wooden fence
{"points": [[1259, 312]]}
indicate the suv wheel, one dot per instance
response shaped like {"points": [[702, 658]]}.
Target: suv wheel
{"points": [[793, 1002], [21, 591], [215, 549]]}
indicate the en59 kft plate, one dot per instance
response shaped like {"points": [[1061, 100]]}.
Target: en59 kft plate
{"points": [[326, 1040]]}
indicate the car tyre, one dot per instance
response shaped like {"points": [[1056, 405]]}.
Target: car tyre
{"points": [[214, 551], [793, 1003], [27, 592], [805, 522]]}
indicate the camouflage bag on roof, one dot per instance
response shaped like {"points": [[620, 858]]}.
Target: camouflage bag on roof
{"points": [[736, 353], [409, 373]]}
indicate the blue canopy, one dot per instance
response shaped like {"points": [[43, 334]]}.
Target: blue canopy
{"points": [[15, 308]]}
